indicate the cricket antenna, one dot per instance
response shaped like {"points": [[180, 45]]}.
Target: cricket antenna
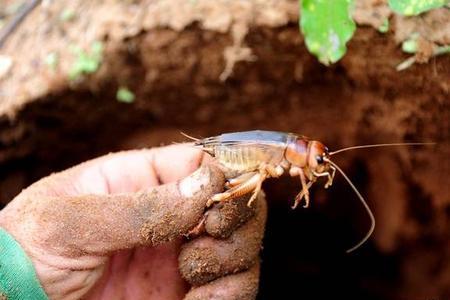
{"points": [[364, 203], [379, 145], [189, 137]]}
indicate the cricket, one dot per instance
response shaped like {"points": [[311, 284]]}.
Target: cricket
{"points": [[253, 156]]}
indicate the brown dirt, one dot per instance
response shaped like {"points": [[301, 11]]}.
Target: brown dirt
{"points": [[172, 57], [224, 218]]}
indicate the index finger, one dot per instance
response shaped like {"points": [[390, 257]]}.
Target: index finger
{"points": [[122, 172]]}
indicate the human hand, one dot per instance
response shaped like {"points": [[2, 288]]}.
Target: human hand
{"points": [[111, 228]]}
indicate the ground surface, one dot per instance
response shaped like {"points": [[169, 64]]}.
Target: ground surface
{"points": [[207, 67]]}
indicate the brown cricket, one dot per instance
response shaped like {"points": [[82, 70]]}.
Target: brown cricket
{"points": [[252, 156]]}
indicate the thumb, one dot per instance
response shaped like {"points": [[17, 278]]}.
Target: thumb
{"points": [[100, 224]]}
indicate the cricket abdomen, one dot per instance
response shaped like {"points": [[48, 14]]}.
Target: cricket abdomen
{"points": [[247, 158], [246, 151]]}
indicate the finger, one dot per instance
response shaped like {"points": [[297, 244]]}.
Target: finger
{"points": [[205, 259], [101, 224], [127, 171], [224, 218], [243, 285]]}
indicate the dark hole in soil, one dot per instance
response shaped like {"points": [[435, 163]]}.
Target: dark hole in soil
{"points": [[305, 249]]}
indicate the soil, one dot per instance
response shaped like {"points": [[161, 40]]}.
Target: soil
{"points": [[208, 67]]}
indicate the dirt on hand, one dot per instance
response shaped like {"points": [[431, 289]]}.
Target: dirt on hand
{"points": [[207, 258], [238, 286], [224, 218]]}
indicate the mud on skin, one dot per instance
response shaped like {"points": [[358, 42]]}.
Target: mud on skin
{"points": [[206, 258], [157, 233], [224, 218], [239, 286]]}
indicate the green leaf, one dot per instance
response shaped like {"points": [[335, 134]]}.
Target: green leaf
{"points": [[415, 7], [97, 49], [67, 15], [86, 63], [327, 27], [384, 27], [125, 95], [409, 46]]}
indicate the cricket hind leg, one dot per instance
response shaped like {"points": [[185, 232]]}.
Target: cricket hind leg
{"points": [[199, 229], [253, 183], [239, 180], [265, 171]]}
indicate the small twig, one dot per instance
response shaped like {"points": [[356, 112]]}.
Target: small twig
{"points": [[406, 63], [16, 20]]}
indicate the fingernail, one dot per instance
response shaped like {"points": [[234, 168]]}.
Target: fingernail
{"points": [[195, 182]]}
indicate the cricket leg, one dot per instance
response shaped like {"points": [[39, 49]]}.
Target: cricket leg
{"points": [[262, 176], [274, 171], [265, 171], [198, 229], [239, 180], [305, 190], [303, 193], [330, 177], [244, 188]]}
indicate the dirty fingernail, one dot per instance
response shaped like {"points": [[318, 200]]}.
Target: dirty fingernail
{"points": [[195, 182]]}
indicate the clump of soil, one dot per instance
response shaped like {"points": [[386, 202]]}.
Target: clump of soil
{"points": [[173, 59]]}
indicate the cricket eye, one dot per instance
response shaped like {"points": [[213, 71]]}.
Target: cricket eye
{"points": [[319, 159]]}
